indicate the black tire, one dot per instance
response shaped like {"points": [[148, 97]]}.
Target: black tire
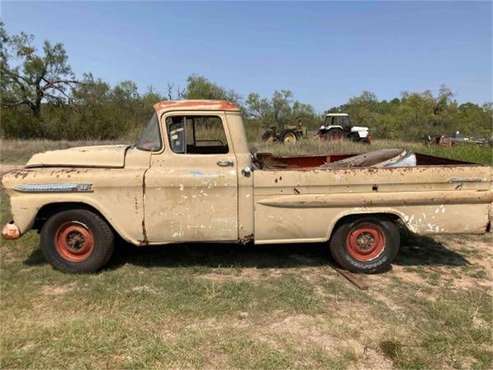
{"points": [[351, 252], [355, 137], [268, 136], [335, 134], [69, 222]]}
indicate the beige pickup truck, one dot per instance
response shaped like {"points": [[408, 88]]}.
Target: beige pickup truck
{"points": [[191, 177]]}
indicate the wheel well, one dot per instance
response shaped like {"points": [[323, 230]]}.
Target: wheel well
{"points": [[49, 210], [353, 217]]}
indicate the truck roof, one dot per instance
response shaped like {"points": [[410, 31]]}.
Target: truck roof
{"points": [[195, 104], [336, 115]]}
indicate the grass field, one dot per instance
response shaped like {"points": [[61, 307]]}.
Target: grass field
{"points": [[229, 306]]}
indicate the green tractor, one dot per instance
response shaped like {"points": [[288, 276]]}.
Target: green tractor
{"points": [[289, 134]]}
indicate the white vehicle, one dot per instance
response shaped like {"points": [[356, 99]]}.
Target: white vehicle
{"points": [[338, 126]]}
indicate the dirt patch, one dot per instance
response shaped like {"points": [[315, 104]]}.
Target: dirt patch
{"points": [[305, 329], [371, 359], [309, 331], [7, 255], [410, 277], [246, 274], [144, 289], [58, 290]]}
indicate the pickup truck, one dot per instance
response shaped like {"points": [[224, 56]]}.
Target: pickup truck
{"points": [[192, 178]]}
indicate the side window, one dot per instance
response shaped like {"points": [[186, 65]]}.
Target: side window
{"points": [[150, 138], [197, 135]]}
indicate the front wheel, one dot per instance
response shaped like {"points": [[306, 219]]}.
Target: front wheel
{"points": [[365, 245], [77, 241]]}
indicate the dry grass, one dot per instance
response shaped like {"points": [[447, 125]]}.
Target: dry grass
{"points": [[469, 153], [19, 151]]}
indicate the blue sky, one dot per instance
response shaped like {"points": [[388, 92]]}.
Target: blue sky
{"points": [[323, 52]]}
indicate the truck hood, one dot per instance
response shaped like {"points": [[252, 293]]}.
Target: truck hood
{"points": [[107, 156]]}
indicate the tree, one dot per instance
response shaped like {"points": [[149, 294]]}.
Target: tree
{"points": [[174, 93], [279, 110], [443, 100], [90, 91], [199, 87], [281, 106], [258, 107], [125, 92], [29, 78]]}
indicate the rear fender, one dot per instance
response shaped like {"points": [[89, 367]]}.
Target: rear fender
{"points": [[357, 213]]}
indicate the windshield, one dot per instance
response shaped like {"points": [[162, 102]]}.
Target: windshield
{"points": [[150, 139]]}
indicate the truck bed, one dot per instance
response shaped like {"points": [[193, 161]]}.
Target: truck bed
{"points": [[296, 197], [267, 161]]}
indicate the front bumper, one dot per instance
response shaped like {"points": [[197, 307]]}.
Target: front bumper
{"points": [[11, 231]]}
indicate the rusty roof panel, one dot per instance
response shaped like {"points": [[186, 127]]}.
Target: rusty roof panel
{"points": [[168, 105]]}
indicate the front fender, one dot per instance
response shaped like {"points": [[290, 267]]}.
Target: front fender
{"points": [[26, 207], [115, 193]]}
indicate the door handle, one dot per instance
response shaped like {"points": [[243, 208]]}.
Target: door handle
{"points": [[225, 163]]}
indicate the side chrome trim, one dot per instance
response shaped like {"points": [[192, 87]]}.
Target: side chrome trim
{"points": [[378, 199], [54, 188]]}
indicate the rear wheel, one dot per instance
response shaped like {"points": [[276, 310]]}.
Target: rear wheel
{"points": [[77, 241], [367, 244], [289, 137]]}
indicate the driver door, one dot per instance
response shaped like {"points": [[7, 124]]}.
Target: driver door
{"points": [[191, 188]]}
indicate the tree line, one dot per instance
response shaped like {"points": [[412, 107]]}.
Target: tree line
{"points": [[42, 98]]}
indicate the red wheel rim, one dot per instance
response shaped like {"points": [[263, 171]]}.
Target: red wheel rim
{"points": [[366, 242], [74, 241]]}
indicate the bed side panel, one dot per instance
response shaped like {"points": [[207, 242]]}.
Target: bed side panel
{"points": [[296, 206]]}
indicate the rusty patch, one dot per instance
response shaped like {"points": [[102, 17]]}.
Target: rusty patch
{"points": [[307, 162], [145, 241], [268, 160], [11, 231], [196, 105]]}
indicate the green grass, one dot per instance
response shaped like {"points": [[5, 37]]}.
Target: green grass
{"points": [[229, 306]]}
